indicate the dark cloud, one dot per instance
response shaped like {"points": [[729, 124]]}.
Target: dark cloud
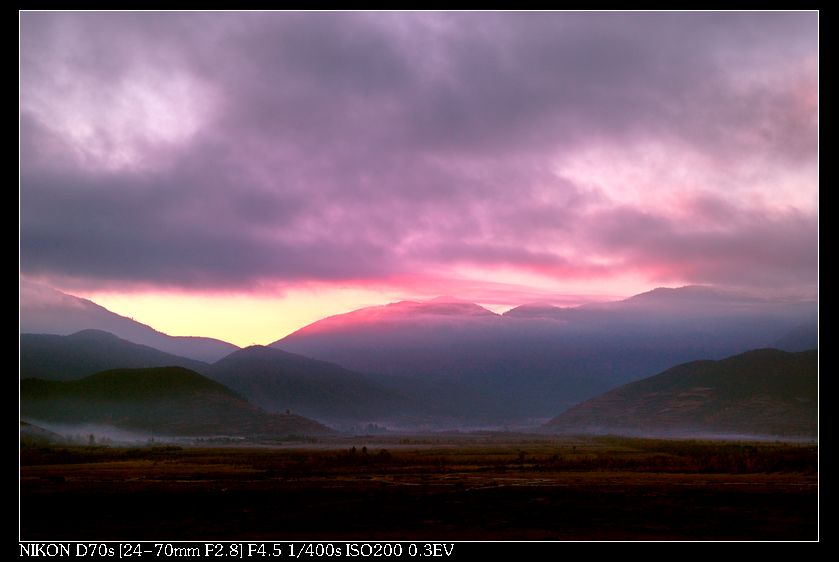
{"points": [[219, 150]]}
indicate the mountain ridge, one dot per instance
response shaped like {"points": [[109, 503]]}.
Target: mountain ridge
{"points": [[54, 357], [762, 392]]}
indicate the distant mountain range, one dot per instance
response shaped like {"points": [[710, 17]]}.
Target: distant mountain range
{"points": [[46, 311], [761, 392], [439, 363], [534, 359], [161, 401]]}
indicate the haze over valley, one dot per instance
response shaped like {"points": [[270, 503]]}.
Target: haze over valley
{"points": [[447, 364]]}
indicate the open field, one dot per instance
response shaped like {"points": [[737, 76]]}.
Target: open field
{"points": [[478, 486]]}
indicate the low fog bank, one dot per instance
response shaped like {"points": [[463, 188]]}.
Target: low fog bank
{"points": [[36, 432], [100, 434], [399, 426], [678, 434]]}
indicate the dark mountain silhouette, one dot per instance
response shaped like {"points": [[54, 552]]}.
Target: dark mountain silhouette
{"points": [[407, 326], [533, 358], [441, 310], [164, 401], [761, 392], [681, 297], [52, 357], [46, 311], [280, 381]]}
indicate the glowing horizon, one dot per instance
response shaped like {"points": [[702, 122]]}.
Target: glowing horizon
{"points": [[246, 320]]}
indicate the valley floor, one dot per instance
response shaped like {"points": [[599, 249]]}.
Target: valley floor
{"points": [[487, 487]]}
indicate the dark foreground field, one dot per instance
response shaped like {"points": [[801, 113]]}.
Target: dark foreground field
{"points": [[466, 487]]}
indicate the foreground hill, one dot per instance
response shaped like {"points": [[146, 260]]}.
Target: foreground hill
{"points": [[280, 381], [51, 357], [761, 392], [46, 311], [162, 401]]}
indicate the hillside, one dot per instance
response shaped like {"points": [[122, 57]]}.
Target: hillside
{"points": [[162, 401], [278, 381], [761, 392], [52, 357]]}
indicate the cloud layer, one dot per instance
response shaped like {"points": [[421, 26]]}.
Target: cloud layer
{"points": [[232, 151]]}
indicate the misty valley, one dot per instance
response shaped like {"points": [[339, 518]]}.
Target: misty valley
{"points": [[424, 419]]}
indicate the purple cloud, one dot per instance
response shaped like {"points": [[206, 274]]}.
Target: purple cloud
{"points": [[222, 150]]}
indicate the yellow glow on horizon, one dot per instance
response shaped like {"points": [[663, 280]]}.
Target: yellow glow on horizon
{"points": [[240, 319], [248, 319]]}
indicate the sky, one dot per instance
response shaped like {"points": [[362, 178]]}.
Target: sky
{"points": [[239, 175]]}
